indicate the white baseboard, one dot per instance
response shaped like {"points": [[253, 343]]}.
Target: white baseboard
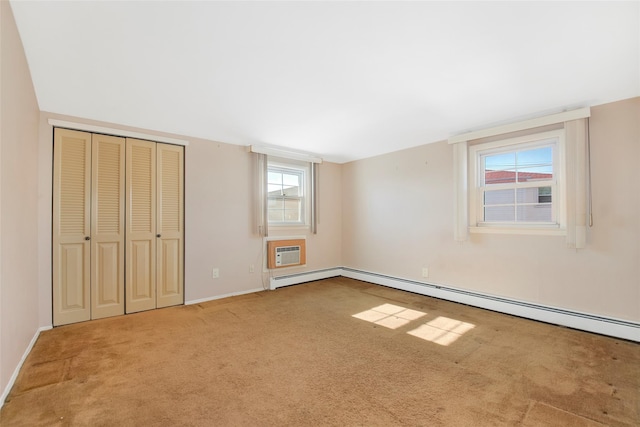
{"points": [[584, 321], [232, 294], [16, 371], [295, 279]]}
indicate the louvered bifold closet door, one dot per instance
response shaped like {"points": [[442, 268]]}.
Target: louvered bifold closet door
{"points": [[170, 265], [107, 226], [140, 226], [71, 226]]}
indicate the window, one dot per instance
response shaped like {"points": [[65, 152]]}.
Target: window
{"points": [[563, 202], [286, 193], [517, 183]]}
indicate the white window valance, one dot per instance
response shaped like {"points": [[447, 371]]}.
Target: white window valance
{"points": [[552, 119], [284, 153]]}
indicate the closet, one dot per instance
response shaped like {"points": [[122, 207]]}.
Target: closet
{"points": [[118, 225]]}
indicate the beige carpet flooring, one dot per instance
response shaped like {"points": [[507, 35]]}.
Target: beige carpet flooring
{"points": [[336, 352]]}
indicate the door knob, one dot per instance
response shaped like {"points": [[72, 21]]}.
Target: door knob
{"points": [[87, 238], [158, 235]]}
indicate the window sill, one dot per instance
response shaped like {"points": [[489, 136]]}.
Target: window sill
{"points": [[289, 226], [539, 231]]}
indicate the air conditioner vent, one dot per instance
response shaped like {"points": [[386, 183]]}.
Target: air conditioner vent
{"points": [[286, 253]]}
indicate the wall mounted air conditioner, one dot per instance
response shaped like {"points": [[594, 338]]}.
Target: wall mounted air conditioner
{"points": [[286, 253]]}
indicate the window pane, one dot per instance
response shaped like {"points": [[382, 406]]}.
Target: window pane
{"points": [[499, 213], [274, 178], [539, 173], [292, 215], [533, 195], [292, 204], [518, 181], [274, 203], [291, 191], [276, 215], [292, 210], [535, 165], [274, 190], [499, 168], [284, 210], [499, 197], [527, 195], [534, 213], [285, 194], [290, 180]]}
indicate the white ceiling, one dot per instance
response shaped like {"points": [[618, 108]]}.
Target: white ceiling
{"points": [[346, 80]]}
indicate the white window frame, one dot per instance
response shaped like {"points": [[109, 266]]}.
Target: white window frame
{"points": [[558, 184], [297, 168]]}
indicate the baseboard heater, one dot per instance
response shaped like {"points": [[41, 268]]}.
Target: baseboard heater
{"points": [[558, 316], [304, 277]]}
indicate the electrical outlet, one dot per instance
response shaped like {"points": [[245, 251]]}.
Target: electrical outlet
{"points": [[251, 268], [215, 273], [425, 272]]}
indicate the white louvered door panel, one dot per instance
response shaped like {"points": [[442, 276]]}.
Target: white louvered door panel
{"points": [[140, 226], [107, 226], [170, 226], [71, 226]]}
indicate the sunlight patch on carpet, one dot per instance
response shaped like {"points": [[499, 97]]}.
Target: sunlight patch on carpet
{"points": [[442, 330], [389, 315]]}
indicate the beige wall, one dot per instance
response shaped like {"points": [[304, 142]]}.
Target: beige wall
{"points": [[220, 219], [221, 222], [18, 199], [398, 217]]}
